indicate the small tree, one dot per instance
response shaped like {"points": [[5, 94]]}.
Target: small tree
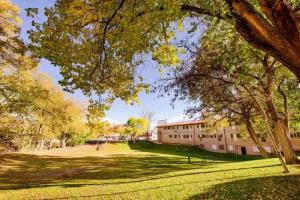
{"points": [[149, 115], [136, 127]]}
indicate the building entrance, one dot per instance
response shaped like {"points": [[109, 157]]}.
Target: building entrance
{"points": [[243, 149]]}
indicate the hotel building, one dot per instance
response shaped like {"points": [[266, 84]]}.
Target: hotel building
{"points": [[223, 140]]}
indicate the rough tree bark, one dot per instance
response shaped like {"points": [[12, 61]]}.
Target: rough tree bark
{"points": [[280, 125], [282, 135], [269, 130]]}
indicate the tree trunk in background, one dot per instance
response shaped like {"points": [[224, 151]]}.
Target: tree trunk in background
{"points": [[63, 142], [50, 144], [255, 139], [22, 140], [42, 144], [30, 143], [133, 137]]}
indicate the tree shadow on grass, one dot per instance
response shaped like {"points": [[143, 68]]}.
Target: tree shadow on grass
{"points": [[19, 171], [149, 188], [193, 151], [285, 187]]}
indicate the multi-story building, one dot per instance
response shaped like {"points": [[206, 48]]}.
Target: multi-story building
{"points": [[223, 140]]}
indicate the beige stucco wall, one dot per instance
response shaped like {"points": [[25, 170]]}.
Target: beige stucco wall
{"points": [[224, 137]]}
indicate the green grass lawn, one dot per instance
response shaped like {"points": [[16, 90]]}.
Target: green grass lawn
{"points": [[143, 171]]}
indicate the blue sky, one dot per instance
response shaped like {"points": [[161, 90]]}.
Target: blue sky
{"points": [[120, 111]]}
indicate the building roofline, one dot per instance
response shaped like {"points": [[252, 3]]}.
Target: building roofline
{"points": [[182, 123]]}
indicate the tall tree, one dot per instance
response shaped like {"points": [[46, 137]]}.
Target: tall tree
{"points": [[226, 65]]}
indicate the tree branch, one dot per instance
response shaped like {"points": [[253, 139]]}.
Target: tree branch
{"points": [[202, 11]]}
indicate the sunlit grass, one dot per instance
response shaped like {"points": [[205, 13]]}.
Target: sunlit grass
{"points": [[143, 171]]}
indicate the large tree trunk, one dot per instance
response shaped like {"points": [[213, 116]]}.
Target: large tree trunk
{"points": [[278, 35], [285, 143], [280, 125], [255, 139], [269, 131], [281, 131]]}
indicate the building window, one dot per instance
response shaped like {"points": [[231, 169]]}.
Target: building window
{"points": [[175, 136], [268, 149], [186, 136], [211, 136], [255, 149], [191, 136], [295, 134], [231, 135], [221, 147], [203, 136], [219, 137], [238, 135], [215, 135], [179, 136], [215, 147], [230, 147], [202, 125], [170, 136], [198, 126], [199, 136]]}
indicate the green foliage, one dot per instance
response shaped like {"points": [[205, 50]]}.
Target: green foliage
{"points": [[99, 45], [32, 109], [136, 126]]}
